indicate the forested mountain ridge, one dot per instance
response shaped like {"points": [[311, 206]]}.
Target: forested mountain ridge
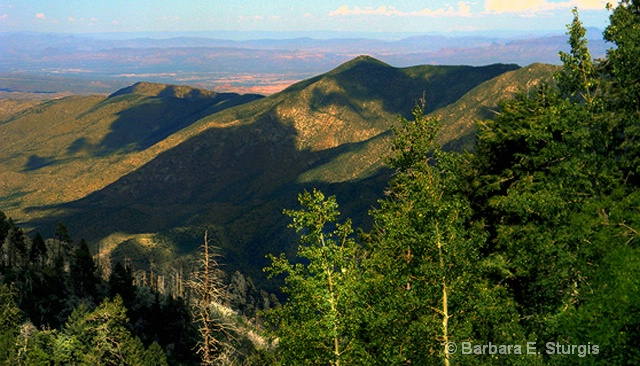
{"points": [[523, 251], [231, 167], [61, 150], [515, 254]]}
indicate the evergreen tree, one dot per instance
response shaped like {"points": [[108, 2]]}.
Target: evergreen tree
{"points": [[426, 278], [621, 64], [4, 226], [100, 337], [121, 283], [155, 356], [578, 77], [621, 71], [10, 318], [557, 189], [38, 251], [16, 247], [83, 272], [61, 233], [35, 347]]}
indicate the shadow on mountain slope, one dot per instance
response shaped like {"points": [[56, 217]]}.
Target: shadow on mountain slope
{"points": [[147, 123], [239, 178], [36, 162], [366, 79]]}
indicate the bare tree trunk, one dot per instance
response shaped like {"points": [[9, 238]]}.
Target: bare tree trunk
{"points": [[337, 353], [208, 294], [445, 302]]}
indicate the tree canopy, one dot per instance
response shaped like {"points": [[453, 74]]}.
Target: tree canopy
{"points": [[530, 240]]}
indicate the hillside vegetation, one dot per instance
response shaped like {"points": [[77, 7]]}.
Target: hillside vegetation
{"points": [[61, 150], [522, 250], [152, 158]]}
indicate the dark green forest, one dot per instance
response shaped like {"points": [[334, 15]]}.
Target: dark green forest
{"points": [[59, 307], [523, 251], [531, 241]]}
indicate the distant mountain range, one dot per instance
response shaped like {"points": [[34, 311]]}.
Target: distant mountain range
{"points": [[143, 171], [259, 65]]}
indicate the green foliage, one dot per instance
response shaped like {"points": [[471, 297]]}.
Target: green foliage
{"points": [[533, 238], [556, 186], [622, 73], [83, 271], [426, 279], [621, 64], [10, 317], [38, 250], [97, 337], [49, 289], [5, 226], [121, 283], [36, 347], [319, 322], [154, 356], [10, 314], [578, 76], [100, 337]]}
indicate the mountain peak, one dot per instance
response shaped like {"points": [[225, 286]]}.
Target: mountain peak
{"points": [[163, 91], [360, 61]]}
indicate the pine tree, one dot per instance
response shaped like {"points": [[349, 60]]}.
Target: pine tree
{"points": [[621, 71], [578, 77], [99, 337], [83, 271], [556, 185], [121, 283], [63, 237], [426, 278], [16, 247], [10, 318], [155, 356], [38, 251], [5, 225]]}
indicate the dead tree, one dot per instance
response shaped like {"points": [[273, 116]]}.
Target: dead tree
{"points": [[207, 299]]}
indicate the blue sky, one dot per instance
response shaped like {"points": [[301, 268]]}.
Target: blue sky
{"points": [[87, 16]]}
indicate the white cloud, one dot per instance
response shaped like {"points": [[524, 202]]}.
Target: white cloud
{"points": [[41, 16], [539, 6], [71, 19], [590, 4], [463, 10], [4, 16], [382, 10]]}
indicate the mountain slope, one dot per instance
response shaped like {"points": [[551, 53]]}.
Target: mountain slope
{"points": [[233, 171], [61, 150], [480, 103]]}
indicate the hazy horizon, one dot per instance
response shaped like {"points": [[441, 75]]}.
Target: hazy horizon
{"points": [[310, 17], [240, 35]]}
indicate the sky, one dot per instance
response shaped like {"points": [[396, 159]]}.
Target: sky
{"points": [[435, 16]]}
